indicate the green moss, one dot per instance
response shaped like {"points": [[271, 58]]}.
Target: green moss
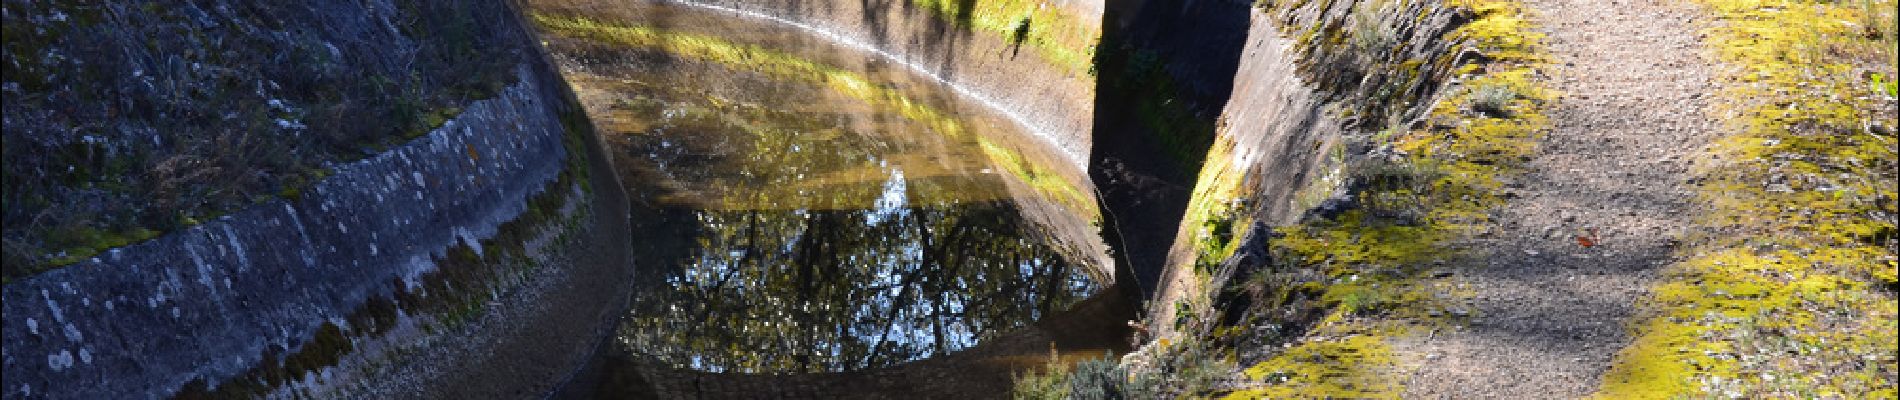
{"points": [[1040, 179], [1064, 40], [1439, 188], [326, 347], [1442, 188], [1357, 367], [1500, 30], [83, 242], [1790, 302], [1214, 208]]}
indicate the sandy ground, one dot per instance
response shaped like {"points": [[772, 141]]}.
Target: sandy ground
{"points": [[1549, 313]]}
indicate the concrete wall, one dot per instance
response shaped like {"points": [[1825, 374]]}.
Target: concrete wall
{"points": [[1280, 135], [142, 320], [1299, 112], [1054, 103]]}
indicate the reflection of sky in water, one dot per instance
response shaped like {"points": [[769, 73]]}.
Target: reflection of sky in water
{"points": [[891, 203]]}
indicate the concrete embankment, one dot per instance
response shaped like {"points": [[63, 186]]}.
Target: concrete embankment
{"points": [[373, 268]]}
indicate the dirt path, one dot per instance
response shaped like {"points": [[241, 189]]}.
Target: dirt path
{"points": [[1547, 313]]}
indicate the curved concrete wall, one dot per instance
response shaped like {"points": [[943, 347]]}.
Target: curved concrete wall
{"points": [[1285, 127], [205, 302], [1277, 156], [1052, 103]]}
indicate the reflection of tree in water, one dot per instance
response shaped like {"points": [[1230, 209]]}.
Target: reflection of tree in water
{"points": [[842, 290], [805, 234]]}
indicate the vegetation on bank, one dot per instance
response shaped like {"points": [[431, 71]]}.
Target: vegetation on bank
{"points": [[1340, 283], [128, 120], [1789, 290], [1183, 367], [1422, 187], [788, 66]]}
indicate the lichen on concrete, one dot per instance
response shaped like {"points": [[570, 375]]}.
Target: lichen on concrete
{"points": [[1424, 172]]}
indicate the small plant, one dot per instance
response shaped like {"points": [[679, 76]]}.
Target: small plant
{"points": [[1052, 382], [1880, 85], [1019, 30], [1370, 35], [1361, 300], [1493, 100], [1189, 367], [1097, 379]]}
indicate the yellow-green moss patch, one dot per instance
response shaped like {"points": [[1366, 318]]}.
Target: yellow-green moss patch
{"points": [[1438, 185], [1356, 367], [1781, 296], [1061, 38]]}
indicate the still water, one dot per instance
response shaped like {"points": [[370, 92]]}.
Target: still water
{"points": [[802, 206]]}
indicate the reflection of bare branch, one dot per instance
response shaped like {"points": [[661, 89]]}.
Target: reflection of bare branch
{"points": [[752, 248], [850, 292]]}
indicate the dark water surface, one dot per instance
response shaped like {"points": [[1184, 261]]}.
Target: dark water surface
{"points": [[804, 207]]}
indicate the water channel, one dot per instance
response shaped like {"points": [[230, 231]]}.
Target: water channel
{"points": [[802, 205]]}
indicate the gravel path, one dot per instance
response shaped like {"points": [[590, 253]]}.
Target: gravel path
{"points": [[1548, 313]]}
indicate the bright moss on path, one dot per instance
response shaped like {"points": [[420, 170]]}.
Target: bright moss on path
{"points": [[788, 66], [1789, 292], [1356, 367]]}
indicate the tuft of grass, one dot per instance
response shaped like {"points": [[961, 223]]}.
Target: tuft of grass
{"points": [[1189, 368], [1493, 100], [1052, 383], [1370, 36]]}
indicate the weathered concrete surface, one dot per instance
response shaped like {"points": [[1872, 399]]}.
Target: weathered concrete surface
{"points": [[537, 334], [123, 117], [1280, 136], [1054, 103], [1297, 115], [142, 320], [1165, 71]]}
